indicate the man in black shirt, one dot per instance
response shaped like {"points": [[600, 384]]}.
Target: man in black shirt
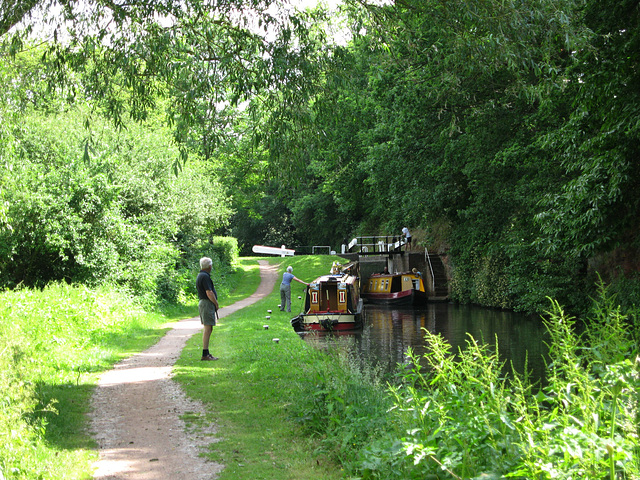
{"points": [[207, 305]]}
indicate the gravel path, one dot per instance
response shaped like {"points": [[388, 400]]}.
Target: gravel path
{"points": [[136, 409]]}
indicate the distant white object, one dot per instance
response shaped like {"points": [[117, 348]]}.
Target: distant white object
{"points": [[268, 317], [282, 251], [266, 327], [276, 340], [268, 311]]}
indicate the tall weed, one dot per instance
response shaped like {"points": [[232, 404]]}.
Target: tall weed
{"points": [[460, 417], [344, 405]]}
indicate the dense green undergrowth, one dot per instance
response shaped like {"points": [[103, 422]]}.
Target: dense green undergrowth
{"points": [[459, 417]]}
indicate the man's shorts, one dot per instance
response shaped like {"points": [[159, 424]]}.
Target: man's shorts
{"points": [[207, 312]]}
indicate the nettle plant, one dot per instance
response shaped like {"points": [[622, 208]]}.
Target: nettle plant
{"points": [[463, 417]]}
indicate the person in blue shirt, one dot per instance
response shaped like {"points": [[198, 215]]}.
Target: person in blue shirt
{"points": [[207, 304], [285, 289]]}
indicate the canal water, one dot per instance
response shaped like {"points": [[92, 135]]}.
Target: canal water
{"points": [[389, 332]]}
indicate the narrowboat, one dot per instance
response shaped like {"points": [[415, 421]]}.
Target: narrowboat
{"points": [[332, 302], [405, 288]]}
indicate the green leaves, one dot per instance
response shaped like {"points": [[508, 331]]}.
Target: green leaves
{"points": [[102, 209], [462, 414]]}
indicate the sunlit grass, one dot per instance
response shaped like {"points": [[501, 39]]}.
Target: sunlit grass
{"points": [[246, 278], [54, 344], [248, 392]]}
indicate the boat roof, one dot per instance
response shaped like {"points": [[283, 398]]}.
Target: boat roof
{"points": [[338, 277], [397, 274]]}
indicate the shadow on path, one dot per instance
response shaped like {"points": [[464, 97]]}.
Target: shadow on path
{"points": [[137, 408]]}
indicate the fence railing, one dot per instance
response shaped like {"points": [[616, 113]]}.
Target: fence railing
{"points": [[428, 260], [374, 244]]}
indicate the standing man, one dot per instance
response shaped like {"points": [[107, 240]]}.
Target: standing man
{"points": [[407, 235], [207, 305], [285, 289]]}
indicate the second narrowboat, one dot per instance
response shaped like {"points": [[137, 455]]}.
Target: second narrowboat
{"points": [[404, 288]]}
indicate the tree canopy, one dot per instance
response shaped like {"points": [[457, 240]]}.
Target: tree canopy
{"points": [[505, 132]]}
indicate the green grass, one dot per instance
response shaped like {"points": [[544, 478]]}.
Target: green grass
{"points": [[245, 279], [250, 390], [54, 343]]}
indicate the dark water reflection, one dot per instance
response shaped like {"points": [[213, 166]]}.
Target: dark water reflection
{"points": [[388, 333]]}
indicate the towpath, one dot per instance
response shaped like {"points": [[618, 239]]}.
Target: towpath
{"points": [[136, 409]]}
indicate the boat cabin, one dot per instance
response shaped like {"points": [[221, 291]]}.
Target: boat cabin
{"points": [[393, 283], [332, 302], [330, 293]]}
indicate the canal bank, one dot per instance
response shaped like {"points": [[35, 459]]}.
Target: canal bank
{"points": [[284, 407]]}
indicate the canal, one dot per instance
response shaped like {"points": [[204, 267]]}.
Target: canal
{"points": [[389, 332]]}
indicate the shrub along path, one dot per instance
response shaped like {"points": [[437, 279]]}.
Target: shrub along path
{"points": [[137, 409]]}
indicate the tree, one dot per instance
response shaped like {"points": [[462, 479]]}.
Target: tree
{"points": [[598, 144], [202, 56], [119, 216]]}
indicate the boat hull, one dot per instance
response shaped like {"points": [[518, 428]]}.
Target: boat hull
{"points": [[328, 321], [406, 297]]}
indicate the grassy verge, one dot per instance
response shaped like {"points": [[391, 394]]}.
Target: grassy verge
{"points": [[251, 392], [289, 411], [54, 343], [245, 281]]}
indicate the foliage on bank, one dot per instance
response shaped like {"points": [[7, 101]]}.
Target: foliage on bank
{"points": [[459, 416], [520, 135]]}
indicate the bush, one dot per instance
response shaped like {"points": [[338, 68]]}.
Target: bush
{"points": [[462, 418], [104, 209]]}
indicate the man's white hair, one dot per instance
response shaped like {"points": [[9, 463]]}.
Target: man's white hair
{"points": [[289, 269], [205, 262]]}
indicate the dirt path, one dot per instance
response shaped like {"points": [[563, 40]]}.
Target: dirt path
{"points": [[136, 409]]}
